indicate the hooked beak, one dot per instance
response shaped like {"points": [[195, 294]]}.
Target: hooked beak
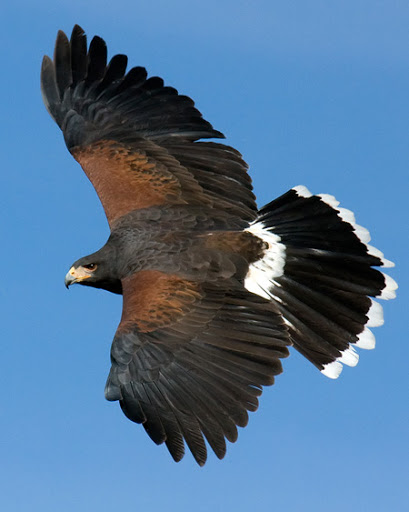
{"points": [[70, 278], [75, 275]]}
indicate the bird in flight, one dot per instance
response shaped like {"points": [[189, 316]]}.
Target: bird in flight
{"points": [[214, 289]]}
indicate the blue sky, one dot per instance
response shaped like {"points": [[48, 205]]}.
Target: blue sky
{"points": [[312, 93]]}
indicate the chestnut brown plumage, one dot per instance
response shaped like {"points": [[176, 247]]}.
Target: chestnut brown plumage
{"points": [[214, 291]]}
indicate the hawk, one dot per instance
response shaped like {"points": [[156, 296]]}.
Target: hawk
{"points": [[214, 289]]}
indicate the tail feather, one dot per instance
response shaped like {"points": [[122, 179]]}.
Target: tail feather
{"points": [[318, 268]]}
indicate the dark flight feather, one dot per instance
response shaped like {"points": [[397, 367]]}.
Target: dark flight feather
{"points": [[79, 59]]}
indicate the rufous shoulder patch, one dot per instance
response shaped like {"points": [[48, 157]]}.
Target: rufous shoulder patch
{"points": [[153, 299], [126, 179]]}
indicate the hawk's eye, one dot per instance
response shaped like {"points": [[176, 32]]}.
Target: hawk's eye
{"points": [[91, 266]]}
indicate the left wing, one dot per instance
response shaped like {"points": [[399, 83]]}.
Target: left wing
{"points": [[135, 138], [189, 360]]}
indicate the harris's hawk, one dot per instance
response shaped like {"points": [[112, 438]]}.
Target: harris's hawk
{"points": [[214, 290]]}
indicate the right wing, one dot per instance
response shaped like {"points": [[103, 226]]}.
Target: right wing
{"points": [[189, 360]]}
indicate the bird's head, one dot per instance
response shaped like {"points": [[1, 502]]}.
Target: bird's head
{"points": [[95, 271]]}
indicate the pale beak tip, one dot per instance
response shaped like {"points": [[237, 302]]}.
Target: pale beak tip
{"points": [[69, 280]]}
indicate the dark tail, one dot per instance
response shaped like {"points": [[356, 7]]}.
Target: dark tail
{"points": [[318, 269]]}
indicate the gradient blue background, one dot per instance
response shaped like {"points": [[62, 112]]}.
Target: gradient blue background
{"points": [[312, 93]]}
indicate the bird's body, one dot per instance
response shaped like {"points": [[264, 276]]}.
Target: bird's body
{"points": [[214, 290]]}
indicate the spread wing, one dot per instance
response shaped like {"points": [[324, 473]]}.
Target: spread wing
{"points": [[189, 360], [136, 139]]}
